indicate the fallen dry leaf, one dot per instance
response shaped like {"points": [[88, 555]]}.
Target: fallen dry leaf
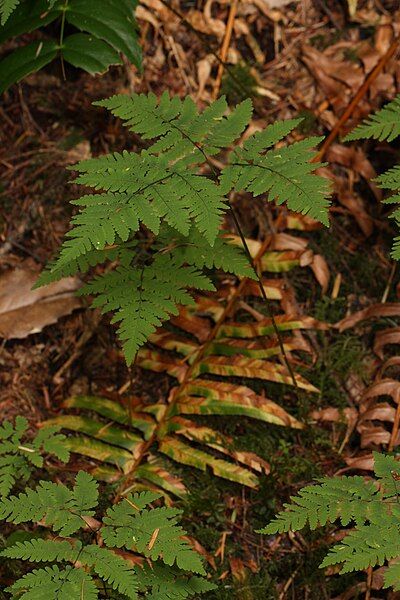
{"points": [[24, 311], [385, 337], [390, 309]]}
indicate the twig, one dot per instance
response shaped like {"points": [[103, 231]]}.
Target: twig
{"points": [[389, 283], [396, 423], [359, 95], [208, 48], [225, 46], [369, 584]]}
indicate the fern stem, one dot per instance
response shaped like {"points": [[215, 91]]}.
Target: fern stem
{"points": [[246, 249], [264, 296], [64, 10]]}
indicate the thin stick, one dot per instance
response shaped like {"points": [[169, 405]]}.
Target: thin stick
{"points": [[225, 45], [359, 95], [265, 298], [207, 46], [369, 584], [389, 283]]}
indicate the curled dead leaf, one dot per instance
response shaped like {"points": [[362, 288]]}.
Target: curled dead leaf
{"points": [[390, 309], [24, 311]]}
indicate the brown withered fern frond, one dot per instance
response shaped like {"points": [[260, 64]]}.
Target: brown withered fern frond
{"points": [[214, 349], [378, 407]]}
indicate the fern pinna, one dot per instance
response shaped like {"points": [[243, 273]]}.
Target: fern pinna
{"points": [[135, 549], [215, 351], [384, 125], [160, 211], [372, 508]]}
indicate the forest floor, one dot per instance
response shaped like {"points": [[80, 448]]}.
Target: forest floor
{"points": [[308, 59]]}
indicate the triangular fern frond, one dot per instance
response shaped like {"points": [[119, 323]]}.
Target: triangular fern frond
{"points": [[132, 524], [175, 182]]}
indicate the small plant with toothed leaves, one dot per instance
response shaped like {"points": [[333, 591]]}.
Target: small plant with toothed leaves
{"points": [[136, 550], [99, 39], [158, 217], [18, 455]]}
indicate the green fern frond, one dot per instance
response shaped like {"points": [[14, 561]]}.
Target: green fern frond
{"points": [[153, 532], [160, 582], [366, 546], [113, 569], [61, 508], [51, 582], [6, 8], [347, 498], [175, 183], [286, 174], [392, 576], [384, 125], [39, 550], [375, 509], [143, 298], [132, 524]]}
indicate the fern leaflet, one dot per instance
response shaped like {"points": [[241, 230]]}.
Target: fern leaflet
{"points": [[6, 8], [384, 125], [143, 298], [154, 533], [51, 582]]}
